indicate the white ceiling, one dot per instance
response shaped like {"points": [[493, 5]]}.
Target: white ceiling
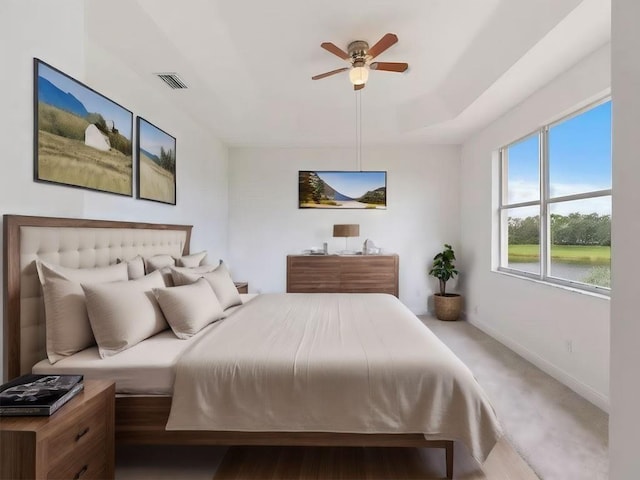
{"points": [[249, 63]]}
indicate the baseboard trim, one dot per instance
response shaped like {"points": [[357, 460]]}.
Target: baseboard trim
{"points": [[559, 374]]}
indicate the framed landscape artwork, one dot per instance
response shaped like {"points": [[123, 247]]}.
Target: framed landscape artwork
{"points": [[156, 163], [344, 190], [81, 138]]}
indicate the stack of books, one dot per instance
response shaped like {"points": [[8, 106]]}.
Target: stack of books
{"points": [[38, 395]]}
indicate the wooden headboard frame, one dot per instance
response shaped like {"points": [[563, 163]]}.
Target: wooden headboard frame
{"points": [[13, 269]]}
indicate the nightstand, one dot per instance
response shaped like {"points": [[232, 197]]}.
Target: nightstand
{"points": [[243, 287], [77, 441]]}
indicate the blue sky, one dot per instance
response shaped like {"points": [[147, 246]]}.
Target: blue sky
{"points": [[152, 138], [92, 101], [579, 159], [354, 184]]}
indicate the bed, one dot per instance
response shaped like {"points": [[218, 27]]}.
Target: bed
{"points": [[142, 418]]}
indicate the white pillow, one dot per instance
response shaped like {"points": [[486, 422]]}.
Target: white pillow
{"points": [[135, 267], [123, 314], [193, 260], [219, 279], [67, 324], [189, 308]]}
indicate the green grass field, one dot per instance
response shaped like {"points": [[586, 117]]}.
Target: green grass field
{"points": [[72, 162], [587, 255]]}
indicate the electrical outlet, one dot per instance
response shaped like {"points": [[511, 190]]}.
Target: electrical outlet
{"points": [[475, 309], [569, 346]]}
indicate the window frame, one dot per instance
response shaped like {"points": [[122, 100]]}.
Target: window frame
{"points": [[543, 203]]}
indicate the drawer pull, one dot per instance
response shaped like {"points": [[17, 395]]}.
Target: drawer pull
{"points": [[82, 434], [81, 472]]}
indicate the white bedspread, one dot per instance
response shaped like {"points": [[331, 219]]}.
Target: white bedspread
{"points": [[359, 363]]}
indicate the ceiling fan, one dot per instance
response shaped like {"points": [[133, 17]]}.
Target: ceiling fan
{"points": [[360, 56]]}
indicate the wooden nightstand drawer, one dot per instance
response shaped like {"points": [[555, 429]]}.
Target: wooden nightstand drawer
{"points": [[87, 426], [87, 461], [76, 442]]}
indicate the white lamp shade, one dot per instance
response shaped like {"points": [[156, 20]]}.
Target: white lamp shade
{"points": [[359, 75]]}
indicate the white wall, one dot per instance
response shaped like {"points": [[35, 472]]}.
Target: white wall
{"points": [[265, 223], [625, 327], [201, 160], [56, 32], [532, 318]]}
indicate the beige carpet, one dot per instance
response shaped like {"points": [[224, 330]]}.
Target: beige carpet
{"points": [[559, 434]]}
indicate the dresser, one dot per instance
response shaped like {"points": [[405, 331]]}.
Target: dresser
{"points": [[342, 274], [75, 442]]}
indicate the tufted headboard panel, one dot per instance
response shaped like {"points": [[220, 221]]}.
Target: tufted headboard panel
{"points": [[75, 243]]}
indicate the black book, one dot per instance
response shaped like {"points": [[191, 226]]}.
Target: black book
{"points": [[38, 395]]}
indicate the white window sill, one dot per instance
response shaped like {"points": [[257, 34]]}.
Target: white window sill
{"points": [[581, 291]]}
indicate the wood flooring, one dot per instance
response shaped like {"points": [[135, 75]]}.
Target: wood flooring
{"points": [[360, 463]]}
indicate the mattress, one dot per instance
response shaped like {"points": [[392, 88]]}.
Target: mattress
{"points": [[147, 368]]}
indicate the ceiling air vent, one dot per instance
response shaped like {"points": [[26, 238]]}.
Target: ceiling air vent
{"points": [[172, 79]]}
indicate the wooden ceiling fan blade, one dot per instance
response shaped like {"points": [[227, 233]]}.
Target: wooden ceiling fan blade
{"points": [[384, 43], [389, 66], [328, 74], [358, 87], [330, 47]]}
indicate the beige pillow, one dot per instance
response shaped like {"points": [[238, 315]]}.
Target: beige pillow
{"points": [[109, 273], [123, 314], [193, 260], [157, 262], [189, 308], [67, 324], [219, 279], [167, 272], [200, 269], [135, 267]]}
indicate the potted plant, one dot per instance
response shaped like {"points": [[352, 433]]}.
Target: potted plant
{"points": [[447, 305]]}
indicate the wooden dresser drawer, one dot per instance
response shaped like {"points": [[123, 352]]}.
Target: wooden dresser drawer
{"points": [[342, 273]]}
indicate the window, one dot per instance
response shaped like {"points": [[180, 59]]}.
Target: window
{"points": [[555, 202]]}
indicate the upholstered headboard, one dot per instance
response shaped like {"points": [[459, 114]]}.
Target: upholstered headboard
{"points": [[75, 243]]}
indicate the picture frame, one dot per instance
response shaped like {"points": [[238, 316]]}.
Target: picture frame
{"points": [[156, 163], [82, 138], [333, 189]]}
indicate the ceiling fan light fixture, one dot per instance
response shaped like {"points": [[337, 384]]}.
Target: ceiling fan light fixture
{"points": [[359, 75]]}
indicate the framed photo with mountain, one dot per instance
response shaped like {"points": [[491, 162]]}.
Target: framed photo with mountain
{"points": [[81, 138], [156, 153], [342, 189]]}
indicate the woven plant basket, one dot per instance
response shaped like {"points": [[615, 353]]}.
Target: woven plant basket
{"points": [[448, 307]]}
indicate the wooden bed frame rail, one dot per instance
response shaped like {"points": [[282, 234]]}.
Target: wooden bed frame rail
{"points": [[142, 420]]}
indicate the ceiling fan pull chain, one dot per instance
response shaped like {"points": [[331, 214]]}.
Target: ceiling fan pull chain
{"points": [[358, 131], [360, 126]]}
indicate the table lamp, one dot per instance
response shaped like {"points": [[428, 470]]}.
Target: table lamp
{"points": [[346, 230]]}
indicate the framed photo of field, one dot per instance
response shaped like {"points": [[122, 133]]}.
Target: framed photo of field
{"points": [[81, 138], [156, 153], [343, 190]]}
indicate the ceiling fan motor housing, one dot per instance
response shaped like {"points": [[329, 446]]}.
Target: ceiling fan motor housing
{"points": [[358, 52]]}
